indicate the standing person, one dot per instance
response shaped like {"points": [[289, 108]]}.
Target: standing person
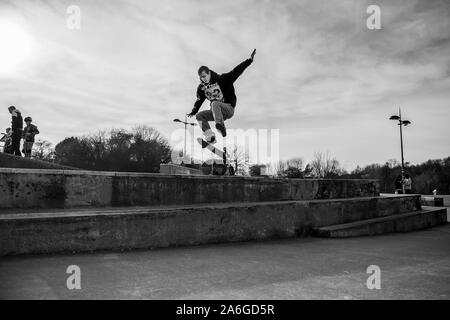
{"points": [[219, 90], [398, 185], [6, 139], [16, 128], [408, 184], [28, 137]]}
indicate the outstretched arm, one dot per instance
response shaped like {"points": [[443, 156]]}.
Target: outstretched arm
{"points": [[239, 69], [198, 103]]}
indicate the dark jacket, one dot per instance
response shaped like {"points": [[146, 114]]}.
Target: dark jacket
{"points": [[17, 121], [220, 87], [29, 132], [398, 184]]}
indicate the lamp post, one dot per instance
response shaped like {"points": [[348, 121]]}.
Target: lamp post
{"points": [[185, 128], [401, 123]]}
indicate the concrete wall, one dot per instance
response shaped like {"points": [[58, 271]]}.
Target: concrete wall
{"points": [[28, 188], [126, 228]]}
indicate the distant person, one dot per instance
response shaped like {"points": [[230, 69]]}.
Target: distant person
{"points": [[408, 184], [6, 139], [398, 185], [17, 129], [28, 137]]}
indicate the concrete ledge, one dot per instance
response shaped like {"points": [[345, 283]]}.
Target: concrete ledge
{"points": [[133, 228], [177, 169], [433, 201], [28, 188], [405, 222]]}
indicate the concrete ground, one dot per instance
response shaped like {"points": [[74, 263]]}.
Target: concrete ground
{"points": [[413, 266]]}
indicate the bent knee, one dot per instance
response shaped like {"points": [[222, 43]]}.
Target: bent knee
{"points": [[199, 116], [215, 104]]}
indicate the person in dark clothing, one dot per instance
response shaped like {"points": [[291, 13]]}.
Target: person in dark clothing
{"points": [[398, 185], [28, 137], [219, 90], [16, 128], [6, 139]]}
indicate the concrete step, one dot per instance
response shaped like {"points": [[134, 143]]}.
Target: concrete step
{"points": [[49, 231], [405, 222], [29, 188]]}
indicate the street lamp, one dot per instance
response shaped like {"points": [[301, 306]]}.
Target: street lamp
{"points": [[401, 123], [185, 128]]}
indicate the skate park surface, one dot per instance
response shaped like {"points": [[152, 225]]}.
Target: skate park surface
{"points": [[157, 236], [413, 265]]}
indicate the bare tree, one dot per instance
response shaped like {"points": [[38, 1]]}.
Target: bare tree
{"points": [[279, 168], [144, 132], [139, 150], [292, 168], [98, 143], [324, 166], [239, 160], [42, 150], [296, 163], [392, 163]]}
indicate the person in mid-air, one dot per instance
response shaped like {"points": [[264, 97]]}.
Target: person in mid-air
{"points": [[219, 90]]}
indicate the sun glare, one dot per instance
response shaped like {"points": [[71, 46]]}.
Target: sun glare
{"points": [[16, 47]]}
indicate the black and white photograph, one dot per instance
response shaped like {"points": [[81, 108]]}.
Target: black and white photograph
{"points": [[224, 156]]}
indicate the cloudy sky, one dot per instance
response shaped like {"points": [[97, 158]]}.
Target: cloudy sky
{"points": [[320, 75]]}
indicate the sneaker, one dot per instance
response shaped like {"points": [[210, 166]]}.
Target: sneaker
{"points": [[212, 140], [205, 143], [221, 129]]}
